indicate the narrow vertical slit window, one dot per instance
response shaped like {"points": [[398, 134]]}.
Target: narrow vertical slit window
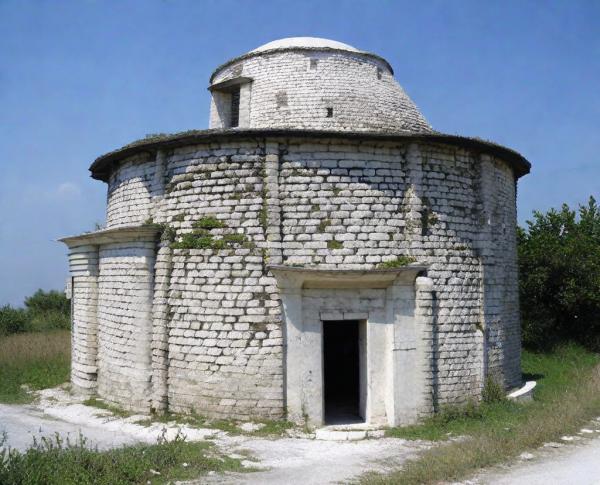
{"points": [[329, 113], [235, 108]]}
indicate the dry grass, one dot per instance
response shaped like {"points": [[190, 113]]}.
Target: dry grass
{"points": [[569, 396], [38, 360]]}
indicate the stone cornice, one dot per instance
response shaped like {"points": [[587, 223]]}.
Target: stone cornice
{"points": [[293, 277], [113, 235], [100, 169]]}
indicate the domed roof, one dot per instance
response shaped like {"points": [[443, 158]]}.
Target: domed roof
{"points": [[306, 43], [313, 83]]}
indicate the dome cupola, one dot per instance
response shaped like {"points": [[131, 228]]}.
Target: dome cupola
{"points": [[311, 83]]}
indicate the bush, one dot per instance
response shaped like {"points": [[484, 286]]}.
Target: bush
{"points": [[12, 320], [492, 391], [559, 283], [48, 301], [44, 310]]}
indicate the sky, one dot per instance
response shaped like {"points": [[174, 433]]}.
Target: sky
{"points": [[81, 78]]}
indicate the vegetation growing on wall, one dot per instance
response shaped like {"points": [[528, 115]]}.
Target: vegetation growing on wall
{"points": [[559, 277], [201, 237], [397, 263]]}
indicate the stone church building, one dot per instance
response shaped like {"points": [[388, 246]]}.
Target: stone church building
{"points": [[319, 253]]}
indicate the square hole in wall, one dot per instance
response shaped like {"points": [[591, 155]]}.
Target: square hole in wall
{"points": [[314, 63], [329, 113]]}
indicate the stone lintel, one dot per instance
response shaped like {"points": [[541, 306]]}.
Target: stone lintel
{"points": [[230, 83], [113, 235], [292, 277]]}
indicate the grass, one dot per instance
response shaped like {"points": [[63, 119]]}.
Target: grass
{"points": [[56, 462], [270, 428], [98, 403], [567, 397], [37, 360]]}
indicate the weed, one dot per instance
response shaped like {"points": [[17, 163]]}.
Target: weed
{"points": [[208, 223], [493, 391], [54, 461], [324, 224], [101, 404], [396, 263]]}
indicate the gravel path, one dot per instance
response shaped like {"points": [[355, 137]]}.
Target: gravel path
{"points": [[282, 460], [555, 464]]}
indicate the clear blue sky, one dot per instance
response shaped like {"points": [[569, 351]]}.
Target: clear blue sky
{"points": [[80, 78]]}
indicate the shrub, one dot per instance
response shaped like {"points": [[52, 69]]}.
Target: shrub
{"points": [[44, 310], [48, 310], [493, 391], [43, 301], [12, 320], [559, 277]]}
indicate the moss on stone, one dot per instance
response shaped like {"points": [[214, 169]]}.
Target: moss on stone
{"points": [[333, 244], [396, 263]]}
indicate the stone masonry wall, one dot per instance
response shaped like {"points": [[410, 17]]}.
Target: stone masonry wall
{"points": [[501, 292], [225, 343], [83, 262], [216, 339], [125, 287], [355, 205], [130, 191]]}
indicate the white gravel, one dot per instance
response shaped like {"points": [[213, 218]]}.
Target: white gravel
{"points": [[282, 460]]}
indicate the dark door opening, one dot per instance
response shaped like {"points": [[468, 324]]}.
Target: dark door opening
{"points": [[341, 362]]}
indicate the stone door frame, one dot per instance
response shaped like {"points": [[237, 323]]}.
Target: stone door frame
{"points": [[398, 339]]}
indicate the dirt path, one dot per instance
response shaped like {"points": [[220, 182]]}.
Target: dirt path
{"points": [[283, 460], [566, 465]]}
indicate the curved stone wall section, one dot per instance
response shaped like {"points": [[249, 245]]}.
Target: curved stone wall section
{"points": [[501, 295], [294, 89], [130, 189], [224, 320], [125, 287]]}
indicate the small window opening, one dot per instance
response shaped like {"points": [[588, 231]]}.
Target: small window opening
{"points": [[329, 112], [379, 73], [235, 108], [313, 63]]}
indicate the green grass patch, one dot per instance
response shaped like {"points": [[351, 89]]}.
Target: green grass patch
{"points": [[99, 403], [37, 360], [566, 398], [270, 428], [55, 462]]}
